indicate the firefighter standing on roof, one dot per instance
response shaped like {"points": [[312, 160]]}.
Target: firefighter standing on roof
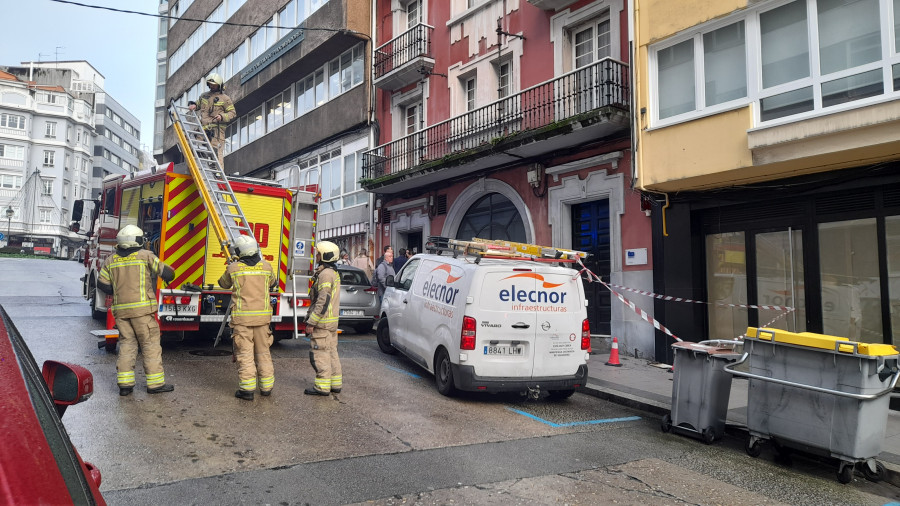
{"points": [[322, 322], [251, 312], [216, 112], [130, 277]]}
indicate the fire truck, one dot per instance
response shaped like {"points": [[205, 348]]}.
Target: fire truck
{"points": [[190, 214]]}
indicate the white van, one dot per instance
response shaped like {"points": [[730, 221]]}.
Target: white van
{"points": [[486, 324]]}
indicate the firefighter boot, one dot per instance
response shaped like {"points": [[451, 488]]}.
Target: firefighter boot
{"points": [[247, 395], [123, 391], [265, 393], [161, 389], [313, 391]]}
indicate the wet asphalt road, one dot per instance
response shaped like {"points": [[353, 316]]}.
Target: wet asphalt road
{"points": [[389, 437]]}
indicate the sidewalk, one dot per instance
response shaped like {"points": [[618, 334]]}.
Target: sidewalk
{"points": [[640, 384]]}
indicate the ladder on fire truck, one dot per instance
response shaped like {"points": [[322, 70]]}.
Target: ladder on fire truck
{"points": [[493, 248], [227, 218]]}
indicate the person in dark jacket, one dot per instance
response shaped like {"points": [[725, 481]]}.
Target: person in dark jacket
{"points": [[399, 260]]}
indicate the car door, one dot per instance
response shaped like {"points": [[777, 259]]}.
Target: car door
{"points": [[401, 319]]}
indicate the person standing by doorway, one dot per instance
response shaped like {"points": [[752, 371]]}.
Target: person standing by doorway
{"points": [[384, 269]]}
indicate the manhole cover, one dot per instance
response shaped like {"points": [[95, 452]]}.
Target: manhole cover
{"points": [[210, 353]]}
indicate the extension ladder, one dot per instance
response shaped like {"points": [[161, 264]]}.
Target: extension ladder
{"points": [[225, 213], [499, 248]]}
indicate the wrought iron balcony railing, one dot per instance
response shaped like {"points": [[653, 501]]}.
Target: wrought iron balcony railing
{"points": [[399, 51], [577, 94]]}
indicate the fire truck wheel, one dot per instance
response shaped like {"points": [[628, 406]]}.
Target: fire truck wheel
{"points": [[97, 314]]}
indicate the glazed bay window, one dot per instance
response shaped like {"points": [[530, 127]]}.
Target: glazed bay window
{"points": [[811, 57], [13, 121]]}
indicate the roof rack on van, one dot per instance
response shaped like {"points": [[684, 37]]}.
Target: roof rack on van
{"points": [[489, 248]]}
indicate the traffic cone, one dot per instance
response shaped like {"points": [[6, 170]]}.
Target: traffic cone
{"points": [[614, 354]]}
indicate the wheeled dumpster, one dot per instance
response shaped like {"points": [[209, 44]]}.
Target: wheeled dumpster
{"points": [[822, 394], [701, 388]]}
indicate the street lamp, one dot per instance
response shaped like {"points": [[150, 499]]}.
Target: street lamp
{"points": [[9, 215]]}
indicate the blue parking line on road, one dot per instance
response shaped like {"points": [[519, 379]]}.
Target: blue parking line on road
{"points": [[573, 424], [404, 372]]}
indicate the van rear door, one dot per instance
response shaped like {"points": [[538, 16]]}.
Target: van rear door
{"points": [[560, 313], [505, 326]]}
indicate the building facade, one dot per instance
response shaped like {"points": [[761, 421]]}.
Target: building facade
{"points": [[767, 135], [46, 142], [297, 73], [511, 120]]}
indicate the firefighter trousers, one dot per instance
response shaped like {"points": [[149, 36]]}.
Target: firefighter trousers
{"points": [[140, 333], [323, 356], [251, 349]]}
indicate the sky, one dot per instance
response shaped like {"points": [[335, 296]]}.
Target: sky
{"points": [[120, 46]]}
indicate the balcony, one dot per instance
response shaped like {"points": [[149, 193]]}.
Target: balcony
{"points": [[577, 108], [405, 59], [551, 5]]}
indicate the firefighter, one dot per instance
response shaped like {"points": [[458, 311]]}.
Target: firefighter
{"points": [[216, 112], [251, 312], [322, 321], [130, 277]]}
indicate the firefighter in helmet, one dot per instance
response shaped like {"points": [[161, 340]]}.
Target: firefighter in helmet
{"points": [[251, 278], [129, 276], [216, 112], [322, 321]]}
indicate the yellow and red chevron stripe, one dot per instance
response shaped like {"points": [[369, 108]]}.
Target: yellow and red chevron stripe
{"points": [[285, 246], [184, 230]]}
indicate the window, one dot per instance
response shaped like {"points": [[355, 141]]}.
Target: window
{"points": [[353, 194], [255, 125], [45, 216], [413, 118], [330, 169], [470, 94], [492, 217], [10, 181], [287, 17], [50, 130], [12, 152], [414, 13], [49, 157], [13, 121], [46, 187], [503, 79], [66, 188], [814, 56]]}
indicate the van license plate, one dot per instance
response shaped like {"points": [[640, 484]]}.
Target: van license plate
{"points": [[502, 350], [170, 308], [351, 312]]}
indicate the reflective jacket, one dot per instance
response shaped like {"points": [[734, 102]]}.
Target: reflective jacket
{"points": [[212, 104], [132, 275], [250, 303], [325, 298]]}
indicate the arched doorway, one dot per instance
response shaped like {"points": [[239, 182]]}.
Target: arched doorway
{"points": [[492, 217]]}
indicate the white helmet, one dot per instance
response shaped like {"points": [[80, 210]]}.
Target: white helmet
{"points": [[130, 237], [329, 251], [215, 78], [245, 246]]}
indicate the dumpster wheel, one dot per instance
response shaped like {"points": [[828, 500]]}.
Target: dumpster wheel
{"points": [[753, 447], [666, 423], [878, 474], [845, 472], [709, 435]]}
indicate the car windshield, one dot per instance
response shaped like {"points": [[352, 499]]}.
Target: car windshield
{"points": [[354, 278]]}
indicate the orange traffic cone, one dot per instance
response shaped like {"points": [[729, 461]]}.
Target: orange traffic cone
{"points": [[614, 354]]}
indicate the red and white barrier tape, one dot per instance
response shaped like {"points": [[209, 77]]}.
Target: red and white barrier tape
{"points": [[649, 319], [669, 298]]}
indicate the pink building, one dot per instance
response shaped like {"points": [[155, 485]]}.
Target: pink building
{"points": [[510, 119]]}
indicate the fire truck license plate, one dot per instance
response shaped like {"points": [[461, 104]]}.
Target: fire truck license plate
{"points": [[502, 350], [170, 308]]}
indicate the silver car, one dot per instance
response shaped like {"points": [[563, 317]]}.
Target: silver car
{"points": [[359, 300]]}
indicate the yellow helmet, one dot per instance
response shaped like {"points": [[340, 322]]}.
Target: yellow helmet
{"points": [[130, 237], [215, 78], [329, 251], [245, 246]]}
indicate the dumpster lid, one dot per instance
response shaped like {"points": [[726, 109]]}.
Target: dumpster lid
{"points": [[719, 349], [821, 341]]}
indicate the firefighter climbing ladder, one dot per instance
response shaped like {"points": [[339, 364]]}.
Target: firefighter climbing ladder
{"points": [[225, 213]]}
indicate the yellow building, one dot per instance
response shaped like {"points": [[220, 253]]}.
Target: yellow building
{"points": [[768, 133]]}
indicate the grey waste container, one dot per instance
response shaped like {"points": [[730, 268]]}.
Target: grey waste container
{"points": [[821, 394], [701, 388]]}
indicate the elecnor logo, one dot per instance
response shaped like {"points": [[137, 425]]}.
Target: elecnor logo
{"points": [[535, 296], [437, 285]]}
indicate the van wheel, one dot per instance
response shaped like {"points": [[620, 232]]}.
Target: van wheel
{"points": [[560, 395], [443, 373], [383, 336]]}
